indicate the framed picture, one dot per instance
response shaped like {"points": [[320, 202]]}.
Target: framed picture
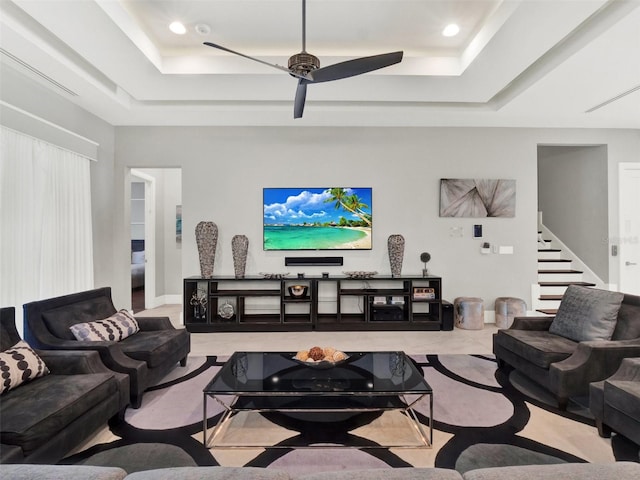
{"points": [[424, 293], [178, 223], [476, 197]]}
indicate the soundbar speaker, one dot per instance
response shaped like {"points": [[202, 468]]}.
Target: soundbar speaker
{"points": [[322, 261]]}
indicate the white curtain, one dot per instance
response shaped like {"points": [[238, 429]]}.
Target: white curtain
{"points": [[46, 246]]}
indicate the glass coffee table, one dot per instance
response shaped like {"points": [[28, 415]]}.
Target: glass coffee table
{"points": [[276, 382]]}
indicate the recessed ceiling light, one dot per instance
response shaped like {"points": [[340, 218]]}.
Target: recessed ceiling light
{"points": [[451, 30], [178, 28]]}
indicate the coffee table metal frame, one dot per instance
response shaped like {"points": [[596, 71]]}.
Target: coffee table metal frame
{"points": [[405, 401]]}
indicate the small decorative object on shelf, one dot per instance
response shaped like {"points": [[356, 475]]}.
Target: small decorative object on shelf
{"points": [[226, 311], [206, 239], [298, 291], [424, 293], [199, 303], [424, 258], [274, 276], [239, 247], [360, 274], [395, 244]]}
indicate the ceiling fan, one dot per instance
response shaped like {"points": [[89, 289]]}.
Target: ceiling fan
{"points": [[306, 67]]}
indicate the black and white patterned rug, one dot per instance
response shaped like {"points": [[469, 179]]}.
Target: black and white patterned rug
{"points": [[482, 417]]}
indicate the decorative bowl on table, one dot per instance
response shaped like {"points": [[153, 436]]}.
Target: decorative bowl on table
{"points": [[298, 291], [320, 357]]}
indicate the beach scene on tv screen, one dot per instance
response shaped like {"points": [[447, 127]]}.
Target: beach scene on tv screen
{"points": [[335, 218]]}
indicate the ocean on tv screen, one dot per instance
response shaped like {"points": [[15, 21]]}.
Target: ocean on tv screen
{"points": [[333, 218], [288, 237]]}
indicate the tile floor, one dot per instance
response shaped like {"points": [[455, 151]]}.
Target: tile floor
{"points": [[439, 342]]}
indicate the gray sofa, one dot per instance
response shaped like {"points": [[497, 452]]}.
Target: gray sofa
{"points": [[555, 359], [44, 419], [146, 356], [615, 402], [567, 471]]}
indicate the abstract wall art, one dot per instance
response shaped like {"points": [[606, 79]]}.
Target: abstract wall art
{"points": [[477, 197]]}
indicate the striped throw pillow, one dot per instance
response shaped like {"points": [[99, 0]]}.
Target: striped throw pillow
{"points": [[117, 327]]}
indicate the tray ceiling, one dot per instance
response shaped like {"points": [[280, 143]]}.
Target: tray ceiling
{"points": [[514, 63]]}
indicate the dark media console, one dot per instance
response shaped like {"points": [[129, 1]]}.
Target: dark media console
{"points": [[325, 303]]}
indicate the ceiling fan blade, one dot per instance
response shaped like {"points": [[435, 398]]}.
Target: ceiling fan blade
{"points": [[301, 95], [273, 65], [354, 67]]}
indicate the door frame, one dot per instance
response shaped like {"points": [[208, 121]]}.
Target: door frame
{"points": [[622, 239], [149, 237]]}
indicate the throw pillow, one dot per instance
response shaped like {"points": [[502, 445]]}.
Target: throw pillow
{"points": [[117, 327], [587, 314], [19, 364]]}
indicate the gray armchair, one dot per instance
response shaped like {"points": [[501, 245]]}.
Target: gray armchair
{"points": [[615, 402], [44, 419], [146, 356], [563, 365]]}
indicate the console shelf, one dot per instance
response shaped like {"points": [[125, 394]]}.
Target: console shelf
{"points": [[262, 304]]}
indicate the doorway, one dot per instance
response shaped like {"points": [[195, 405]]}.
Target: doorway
{"points": [[156, 248]]}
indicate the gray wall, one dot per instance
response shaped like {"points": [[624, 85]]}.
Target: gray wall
{"points": [[225, 169], [573, 199]]}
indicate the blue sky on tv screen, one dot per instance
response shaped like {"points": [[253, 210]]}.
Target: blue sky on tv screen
{"points": [[285, 206]]}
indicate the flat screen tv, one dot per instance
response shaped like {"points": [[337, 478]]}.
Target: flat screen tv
{"points": [[334, 218]]}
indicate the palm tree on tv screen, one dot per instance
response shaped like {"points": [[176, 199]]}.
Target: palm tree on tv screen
{"points": [[350, 203]]}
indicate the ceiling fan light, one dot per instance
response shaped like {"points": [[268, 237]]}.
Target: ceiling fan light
{"points": [[451, 30], [178, 28], [203, 29]]}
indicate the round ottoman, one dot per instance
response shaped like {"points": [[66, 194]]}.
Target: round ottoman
{"points": [[468, 313], [507, 308]]}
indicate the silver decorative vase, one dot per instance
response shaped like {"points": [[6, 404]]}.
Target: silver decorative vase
{"points": [[240, 247], [395, 244], [206, 239]]}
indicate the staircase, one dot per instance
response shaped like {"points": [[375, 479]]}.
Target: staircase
{"points": [[555, 274]]}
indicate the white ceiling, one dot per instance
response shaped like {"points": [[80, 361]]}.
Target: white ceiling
{"points": [[538, 63]]}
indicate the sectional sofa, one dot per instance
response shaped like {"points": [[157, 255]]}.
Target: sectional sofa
{"points": [[567, 471]]}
